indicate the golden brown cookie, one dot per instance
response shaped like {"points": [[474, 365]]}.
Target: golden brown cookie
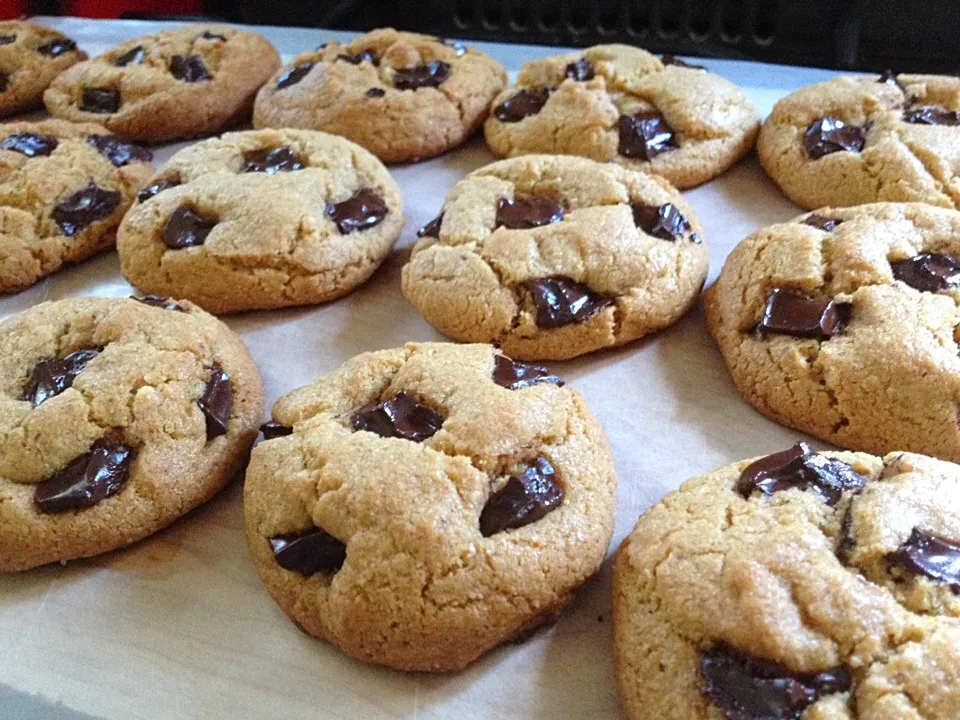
{"points": [[31, 56]]}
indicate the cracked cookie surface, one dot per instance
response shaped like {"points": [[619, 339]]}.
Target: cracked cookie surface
{"points": [[421, 537], [617, 103], [884, 373], [741, 603], [551, 257], [31, 56], [262, 219], [116, 417], [403, 96], [187, 82], [898, 141], [64, 187]]}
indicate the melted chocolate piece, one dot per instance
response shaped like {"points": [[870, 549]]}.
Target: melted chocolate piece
{"points": [[820, 222], [273, 430], [402, 417], [159, 301], [747, 689], [580, 70], [645, 135], [30, 144], [375, 92], [77, 211], [100, 100], [131, 57], [889, 77], [217, 402], [87, 480], [561, 301], [799, 467], [522, 104], [526, 213], [117, 151], [362, 211], [928, 272], [516, 375], [829, 135], [433, 74], [8, 39], [432, 228], [4, 81], [931, 115], [789, 312], [189, 69], [670, 59], [309, 552], [51, 377], [185, 228], [930, 556], [56, 48], [360, 57], [664, 222], [524, 499], [294, 75], [272, 160], [155, 189], [207, 35]]}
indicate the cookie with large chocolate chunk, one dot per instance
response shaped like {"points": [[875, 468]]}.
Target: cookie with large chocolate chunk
{"points": [[793, 586], [64, 187], [262, 219], [550, 257], [402, 96], [117, 416], [185, 82], [31, 56], [473, 492], [617, 103], [843, 324], [856, 140]]}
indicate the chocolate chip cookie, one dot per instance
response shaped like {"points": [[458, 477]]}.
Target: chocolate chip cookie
{"points": [[551, 257], [262, 219], [855, 140], [181, 83], [31, 56], [419, 506], [621, 104], [64, 188], [116, 417], [843, 324], [403, 96], [799, 585]]}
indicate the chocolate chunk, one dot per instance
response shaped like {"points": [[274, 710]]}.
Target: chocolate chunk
{"points": [[273, 430], [829, 135], [189, 69], [580, 70], [217, 402], [524, 499], [516, 375], [117, 151], [747, 689], [58, 47], [522, 104], [131, 57], [207, 35], [799, 467], [100, 100], [159, 301], [432, 228], [186, 228], [561, 301], [402, 417], [889, 77], [930, 556], [77, 211], [309, 552], [51, 377], [823, 223], [272, 160], [87, 480], [789, 312], [928, 272], [30, 144], [433, 74], [664, 222], [294, 75], [931, 115], [670, 59], [158, 187], [4, 81], [362, 211], [376, 92], [7, 39], [365, 56], [645, 135], [526, 213]]}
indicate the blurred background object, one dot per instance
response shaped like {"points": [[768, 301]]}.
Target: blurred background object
{"points": [[920, 35]]}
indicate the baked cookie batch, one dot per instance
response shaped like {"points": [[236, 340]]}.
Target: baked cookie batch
{"points": [[422, 505]]}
